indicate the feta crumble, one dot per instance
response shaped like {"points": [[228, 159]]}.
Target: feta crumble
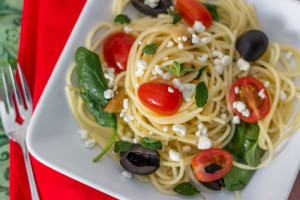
{"points": [[184, 38], [187, 89], [266, 84], [173, 155], [137, 85], [108, 94], [90, 143], [141, 64], [126, 174], [186, 148], [179, 128], [219, 69], [83, 134], [282, 95], [170, 90], [180, 45], [288, 55], [126, 138], [203, 58], [223, 116], [226, 60], [165, 128], [127, 29], [136, 140], [243, 65], [170, 44], [204, 143], [262, 94], [205, 40], [236, 119], [195, 39], [198, 27], [125, 104], [236, 90], [128, 118], [241, 107]]}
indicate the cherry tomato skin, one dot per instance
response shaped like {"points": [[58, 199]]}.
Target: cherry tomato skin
{"points": [[156, 97], [249, 87], [116, 50], [193, 10], [211, 156]]}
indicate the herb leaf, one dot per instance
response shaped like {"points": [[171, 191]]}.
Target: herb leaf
{"points": [[185, 188], [122, 145], [178, 69], [150, 48], [151, 143], [213, 11], [122, 19], [92, 85], [176, 16], [201, 95], [200, 72]]}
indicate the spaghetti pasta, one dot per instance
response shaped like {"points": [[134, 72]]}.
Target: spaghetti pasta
{"points": [[274, 68]]}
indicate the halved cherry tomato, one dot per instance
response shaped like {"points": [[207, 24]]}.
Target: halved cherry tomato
{"points": [[249, 87], [208, 157], [157, 97], [193, 10], [116, 50]]}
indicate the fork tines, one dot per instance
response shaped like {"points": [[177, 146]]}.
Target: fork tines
{"points": [[6, 95]]}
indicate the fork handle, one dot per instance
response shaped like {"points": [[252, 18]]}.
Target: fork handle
{"points": [[32, 184]]}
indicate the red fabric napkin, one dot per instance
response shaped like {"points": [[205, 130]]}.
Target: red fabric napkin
{"points": [[46, 26]]}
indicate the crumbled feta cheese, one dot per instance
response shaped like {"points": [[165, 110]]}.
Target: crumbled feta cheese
{"points": [[126, 174], [141, 64], [190, 30], [83, 134], [179, 38], [166, 76], [125, 104], [186, 148], [236, 90], [170, 90], [243, 65], [195, 39], [126, 138], [179, 128], [198, 133], [262, 94], [288, 55], [165, 128], [122, 113], [226, 60], [153, 78], [239, 105], [128, 118], [236, 119], [90, 143], [139, 72], [180, 45], [215, 53], [173, 155], [205, 40], [204, 143], [184, 38], [109, 76], [140, 42], [217, 61], [201, 129], [137, 85], [203, 58], [127, 29], [282, 95], [136, 140], [219, 69], [108, 94], [150, 133], [246, 113], [187, 89], [170, 44], [198, 27], [266, 84], [223, 116]]}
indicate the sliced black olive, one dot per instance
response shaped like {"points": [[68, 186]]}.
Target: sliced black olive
{"points": [[215, 185], [252, 44], [212, 168], [140, 160], [161, 8]]}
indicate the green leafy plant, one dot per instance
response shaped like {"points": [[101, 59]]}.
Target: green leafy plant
{"points": [[150, 48], [213, 11], [122, 19], [178, 69], [186, 188], [176, 16], [151, 143], [122, 145], [201, 95]]}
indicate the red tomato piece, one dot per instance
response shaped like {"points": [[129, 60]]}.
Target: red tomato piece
{"points": [[116, 50], [192, 10], [207, 157], [249, 87], [156, 97]]}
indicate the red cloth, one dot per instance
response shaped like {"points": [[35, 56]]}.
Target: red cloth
{"points": [[46, 26]]}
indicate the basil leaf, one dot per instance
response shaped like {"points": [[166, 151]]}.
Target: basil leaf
{"points": [[253, 155], [177, 67], [150, 48], [188, 70], [201, 95], [176, 16], [200, 72], [151, 143], [213, 11], [167, 69], [186, 189], [92, 85], [122, 19], [122, 145]]}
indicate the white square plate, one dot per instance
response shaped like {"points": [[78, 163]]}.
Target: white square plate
{"points": [[52, 134]]}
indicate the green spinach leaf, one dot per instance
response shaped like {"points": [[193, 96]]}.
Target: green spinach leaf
{"points": [[122, 145], [151, 143], [201, 95], [185, 188], [213, 11]]}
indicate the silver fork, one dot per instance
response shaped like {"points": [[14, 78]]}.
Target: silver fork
{"points": [[14, 130]]}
